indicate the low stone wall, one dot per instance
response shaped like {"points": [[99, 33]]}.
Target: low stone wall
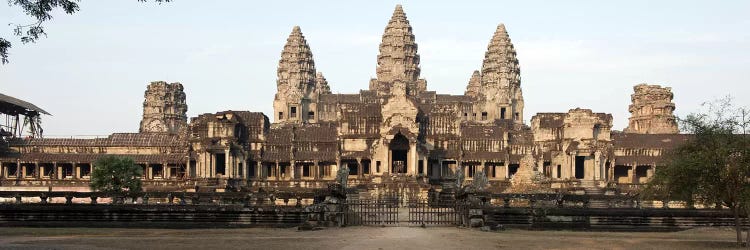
{"points": [[608, 219], [149, 216]]}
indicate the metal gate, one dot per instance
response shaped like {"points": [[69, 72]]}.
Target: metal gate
{"points": [[422, 212], [372, 212]]}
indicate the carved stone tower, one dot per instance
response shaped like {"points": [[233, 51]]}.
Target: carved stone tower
{"points": [[296, 81], [651, 111], [474, 88], [398, 58], [164, 108], [499, 87]]}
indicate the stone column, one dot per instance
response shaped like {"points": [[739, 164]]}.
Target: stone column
{"points": [[278, 171], [18, 169], [316, 171], [412, 159], [228, 164], [359, 167], [572, 168], [336, 169], [597, 165], [293, 166], [36, 174], [212, 166], [54, 171], [77, 171]]}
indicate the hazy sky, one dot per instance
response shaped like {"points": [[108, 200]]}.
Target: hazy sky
{"points": [[92, 69]]}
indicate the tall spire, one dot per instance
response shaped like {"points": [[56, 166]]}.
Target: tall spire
{"points": [[398, 58], [475, 84], [500, 65], [321, 84], [296, 72], [501, 78]]}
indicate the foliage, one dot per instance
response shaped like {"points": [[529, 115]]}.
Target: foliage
{"points": [[41, 11], [712, 168], [116, 174]]}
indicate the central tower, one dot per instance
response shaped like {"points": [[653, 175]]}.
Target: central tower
{"points": [[398, 59]]}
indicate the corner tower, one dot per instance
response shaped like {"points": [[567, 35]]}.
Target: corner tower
{"points": [[499, 87], [297, 85], [164, 108], [398, 59], [651, 111]]}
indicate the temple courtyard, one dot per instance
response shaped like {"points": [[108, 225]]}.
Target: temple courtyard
{"points": [[357, 238]]}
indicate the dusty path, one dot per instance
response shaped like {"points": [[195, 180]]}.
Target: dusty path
{"points": [[354, 238]]}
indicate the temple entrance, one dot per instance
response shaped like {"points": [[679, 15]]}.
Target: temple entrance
{"points": [[579, 167], [399, 147], [221, 164]]}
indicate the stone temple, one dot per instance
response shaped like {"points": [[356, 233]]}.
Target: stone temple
{"points": [[395, 129]]}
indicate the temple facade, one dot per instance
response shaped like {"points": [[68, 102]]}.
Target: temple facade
{"points": [[396, 127]]}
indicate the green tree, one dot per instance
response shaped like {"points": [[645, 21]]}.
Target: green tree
{"points": [[711, 168], [40, 10], [116, 174]]}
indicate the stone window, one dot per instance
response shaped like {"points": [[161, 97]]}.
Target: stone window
{"points": [[85, 170], [29, 172], [502, 113], [11, 170], [281, 115], [484, 116], [306, 170], [293, 112], [311, 115]]}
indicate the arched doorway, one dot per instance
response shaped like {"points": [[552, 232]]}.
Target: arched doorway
{"points": [[399, 147]]}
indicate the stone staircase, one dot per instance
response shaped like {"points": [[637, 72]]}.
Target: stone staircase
{"points": [[590, 187]]}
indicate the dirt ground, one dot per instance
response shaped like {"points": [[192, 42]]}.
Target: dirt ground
{"points": [[355, 238]]}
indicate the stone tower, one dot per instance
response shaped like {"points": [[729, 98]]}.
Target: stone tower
{"points": [[474, 88], [398, 59], [321, 84], [296, 82], [164, 108], [499, 81], [651, 111]]}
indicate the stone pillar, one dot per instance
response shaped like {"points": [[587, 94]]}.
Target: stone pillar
{"points": [[316, 171], [572, 168], [389, 163], [278, 171], [37, 173], [259, 170], [632, 173], [212, 166], [228, 164], [54, 171], [18, 169], [76, 171], [359, 167], [597, 165], [293, 167], [336, 169], [412, 162]]}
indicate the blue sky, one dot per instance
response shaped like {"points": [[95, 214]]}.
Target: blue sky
{"points": [[92, 69]]}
